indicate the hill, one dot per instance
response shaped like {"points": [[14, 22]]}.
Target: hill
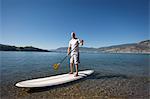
{"points": [[14, 48], [140, 47]]}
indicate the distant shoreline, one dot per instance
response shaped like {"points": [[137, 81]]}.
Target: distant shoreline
{"points": [[83, 52], [106, 52], [20, 49], [142, 47], [25, 51]]}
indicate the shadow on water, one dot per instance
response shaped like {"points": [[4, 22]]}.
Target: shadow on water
{"points": [[94, 76]]}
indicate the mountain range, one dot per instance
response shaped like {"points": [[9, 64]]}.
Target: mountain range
{"points": [[27, 48], [140, 47]]}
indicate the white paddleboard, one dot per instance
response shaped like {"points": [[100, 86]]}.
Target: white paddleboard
{"points": [[53, 80]]}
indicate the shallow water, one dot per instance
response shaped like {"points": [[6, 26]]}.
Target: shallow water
{"points": [[17, 66]]}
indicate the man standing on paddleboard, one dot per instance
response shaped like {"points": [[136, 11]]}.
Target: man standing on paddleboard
{"points": [[74, 49]]}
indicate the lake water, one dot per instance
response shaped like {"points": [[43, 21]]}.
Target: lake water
{"points": [[40, 63], [17, 66]]}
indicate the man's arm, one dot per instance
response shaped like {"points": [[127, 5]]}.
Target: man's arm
{"points": [[69, 48]]}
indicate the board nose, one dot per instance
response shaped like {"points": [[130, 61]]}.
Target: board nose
{"points": [[18, 85]]}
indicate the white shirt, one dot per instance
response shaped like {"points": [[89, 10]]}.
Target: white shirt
{"points": [[74, 44]]}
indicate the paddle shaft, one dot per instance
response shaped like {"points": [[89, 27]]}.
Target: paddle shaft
{"points": [[66, 56]]}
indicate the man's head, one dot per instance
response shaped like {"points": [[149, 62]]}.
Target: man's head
{"points": [[73, 35]]}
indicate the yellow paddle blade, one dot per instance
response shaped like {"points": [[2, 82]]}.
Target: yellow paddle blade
{"points": [[56, 66]]}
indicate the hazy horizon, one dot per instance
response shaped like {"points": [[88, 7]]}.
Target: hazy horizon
{"points": [[80, 46]]}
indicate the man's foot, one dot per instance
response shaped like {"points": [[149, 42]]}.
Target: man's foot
{"points": [[76, 75], [70, 72]]}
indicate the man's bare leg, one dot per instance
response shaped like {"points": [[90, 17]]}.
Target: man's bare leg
{"points": [[76, 70], [71, 68]]}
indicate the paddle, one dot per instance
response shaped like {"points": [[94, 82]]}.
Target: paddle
{"points": [[56, 66]]}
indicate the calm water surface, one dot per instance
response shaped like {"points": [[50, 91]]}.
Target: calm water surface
{"points": [[22, 65]]}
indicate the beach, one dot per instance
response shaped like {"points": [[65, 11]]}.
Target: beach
{"points": [[96, 86]]}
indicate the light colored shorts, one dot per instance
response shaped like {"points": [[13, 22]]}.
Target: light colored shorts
{"points": [[75, 59]]}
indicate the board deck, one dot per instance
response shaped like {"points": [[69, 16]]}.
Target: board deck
{"points": [[53, 80]]}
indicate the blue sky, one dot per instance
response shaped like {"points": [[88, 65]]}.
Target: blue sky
{"points": [[48, 23]]}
